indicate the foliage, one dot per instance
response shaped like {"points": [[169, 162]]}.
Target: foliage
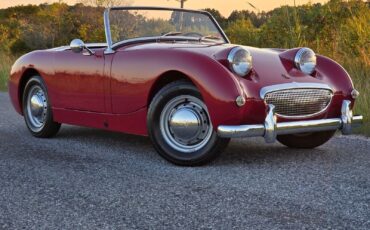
{"points": [[6, 62], [31, 27], [218, 16], [242, 30], [257, 19], [105, 3]]}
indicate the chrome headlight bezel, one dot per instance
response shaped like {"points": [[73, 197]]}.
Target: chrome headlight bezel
{"points": [[240, 61], [305, 60]]}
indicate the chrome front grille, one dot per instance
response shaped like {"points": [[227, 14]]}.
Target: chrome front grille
{"points": [[299, 102]]}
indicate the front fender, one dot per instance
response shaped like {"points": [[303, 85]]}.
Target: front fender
{"points": [[332, 72], [135, 72], [218, 87], [36, 62]]}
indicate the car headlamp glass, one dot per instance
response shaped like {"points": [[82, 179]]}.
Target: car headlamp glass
{"points": [[305, 60], [240, 61]]}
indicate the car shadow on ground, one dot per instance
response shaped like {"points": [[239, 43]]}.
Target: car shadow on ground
{"points": [[239, 151], [256, 151], [99, 135]]}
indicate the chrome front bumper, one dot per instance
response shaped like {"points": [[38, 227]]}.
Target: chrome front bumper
{"points": [[270, 129]]}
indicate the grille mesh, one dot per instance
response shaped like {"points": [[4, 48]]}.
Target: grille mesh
{"points": [[299, 102]]}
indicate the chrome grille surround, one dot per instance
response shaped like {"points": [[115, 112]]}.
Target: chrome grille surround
{"points": [[298, 100]]}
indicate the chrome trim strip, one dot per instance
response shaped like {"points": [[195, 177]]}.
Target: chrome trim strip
{"points": [[308, 126], [292, 85], [270, 125], [108, 34], [241, 131], [88, 45], [96, 45], [357, 120], [271, 128], [156, 8], [155, 39], [348, 120]]}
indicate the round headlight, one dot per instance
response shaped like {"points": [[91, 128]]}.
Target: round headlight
{"points": [[240, 61], [305, 60]]}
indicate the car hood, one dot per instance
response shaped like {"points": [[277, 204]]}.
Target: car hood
{"points": [[270, 66], [274, 67]]}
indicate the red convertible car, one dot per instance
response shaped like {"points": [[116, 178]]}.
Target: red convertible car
{"points": [[172, 75]]}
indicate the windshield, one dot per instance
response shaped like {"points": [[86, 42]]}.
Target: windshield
{"points": [[133, 23]]}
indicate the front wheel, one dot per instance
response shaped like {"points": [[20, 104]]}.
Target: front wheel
{"points": [[37, 110], [180, 127], [307, 140]]}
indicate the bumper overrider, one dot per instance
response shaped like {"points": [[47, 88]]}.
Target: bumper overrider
{"points": [[271, 128]]}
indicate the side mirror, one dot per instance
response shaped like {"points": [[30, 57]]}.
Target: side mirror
{"points": [[77, 46]]}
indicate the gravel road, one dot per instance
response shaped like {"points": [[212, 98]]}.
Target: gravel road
{"points": [[92, 179]]}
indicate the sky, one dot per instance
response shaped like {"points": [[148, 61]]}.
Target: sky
{"points": [[224, 8]]}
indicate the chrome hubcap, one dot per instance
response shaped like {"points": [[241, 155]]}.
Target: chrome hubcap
{"points": [[36, 108], [185, 124], [37, 105]]}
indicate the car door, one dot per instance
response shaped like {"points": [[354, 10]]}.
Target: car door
{"points": [[79, 80], [130, 81]]}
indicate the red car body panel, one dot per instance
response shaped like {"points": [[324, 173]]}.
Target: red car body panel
{"points": [[80, 83], [114, 91]]}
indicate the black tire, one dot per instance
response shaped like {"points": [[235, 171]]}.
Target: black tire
{"points": [[47, 127], [306, 141], [212, 146]]}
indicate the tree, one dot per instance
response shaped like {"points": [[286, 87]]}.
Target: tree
{"points": [[182, 2], [243, 32], [256, 19], [106, 3], [218, 16]]}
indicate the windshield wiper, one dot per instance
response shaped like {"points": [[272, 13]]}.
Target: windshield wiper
{"points": [[209, 37], [172, 33]]}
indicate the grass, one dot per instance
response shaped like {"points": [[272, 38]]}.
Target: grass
{"points": [[358, 71], [6, 62]]}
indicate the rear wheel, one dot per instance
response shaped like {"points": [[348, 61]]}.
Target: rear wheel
{"points": [[37, 110], [307, 140], [180, 127]]}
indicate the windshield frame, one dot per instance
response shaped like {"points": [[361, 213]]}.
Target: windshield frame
{"points": [[111, 47]]}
